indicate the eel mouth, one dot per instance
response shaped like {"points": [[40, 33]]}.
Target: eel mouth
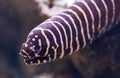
{"points": [[32, 59], [36, 60]]}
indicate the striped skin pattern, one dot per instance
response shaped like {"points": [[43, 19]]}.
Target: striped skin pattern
{"points": [[70, 30]]}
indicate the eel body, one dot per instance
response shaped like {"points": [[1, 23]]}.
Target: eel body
{"points": [[71, 30]]}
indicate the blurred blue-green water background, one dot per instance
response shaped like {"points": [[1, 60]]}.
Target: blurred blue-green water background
{"points": [[17, 17]]}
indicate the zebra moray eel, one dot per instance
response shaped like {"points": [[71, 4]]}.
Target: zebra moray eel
{"points": [[67, 32]]}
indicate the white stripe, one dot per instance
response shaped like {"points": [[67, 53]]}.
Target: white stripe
{"points": [[99, 14], [49, 58], [113, 15], [113, 3], [61, 39], [118, 19], [55, 50], [25, 53], [106, 16], [86, 20], [54, 37], [27, 39], [81, 26], [38, 61], [92, 17], [75, 31], [69, 28], [39, 43], [55, 40], [66, 37], [55, 53], [47, 41]]}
